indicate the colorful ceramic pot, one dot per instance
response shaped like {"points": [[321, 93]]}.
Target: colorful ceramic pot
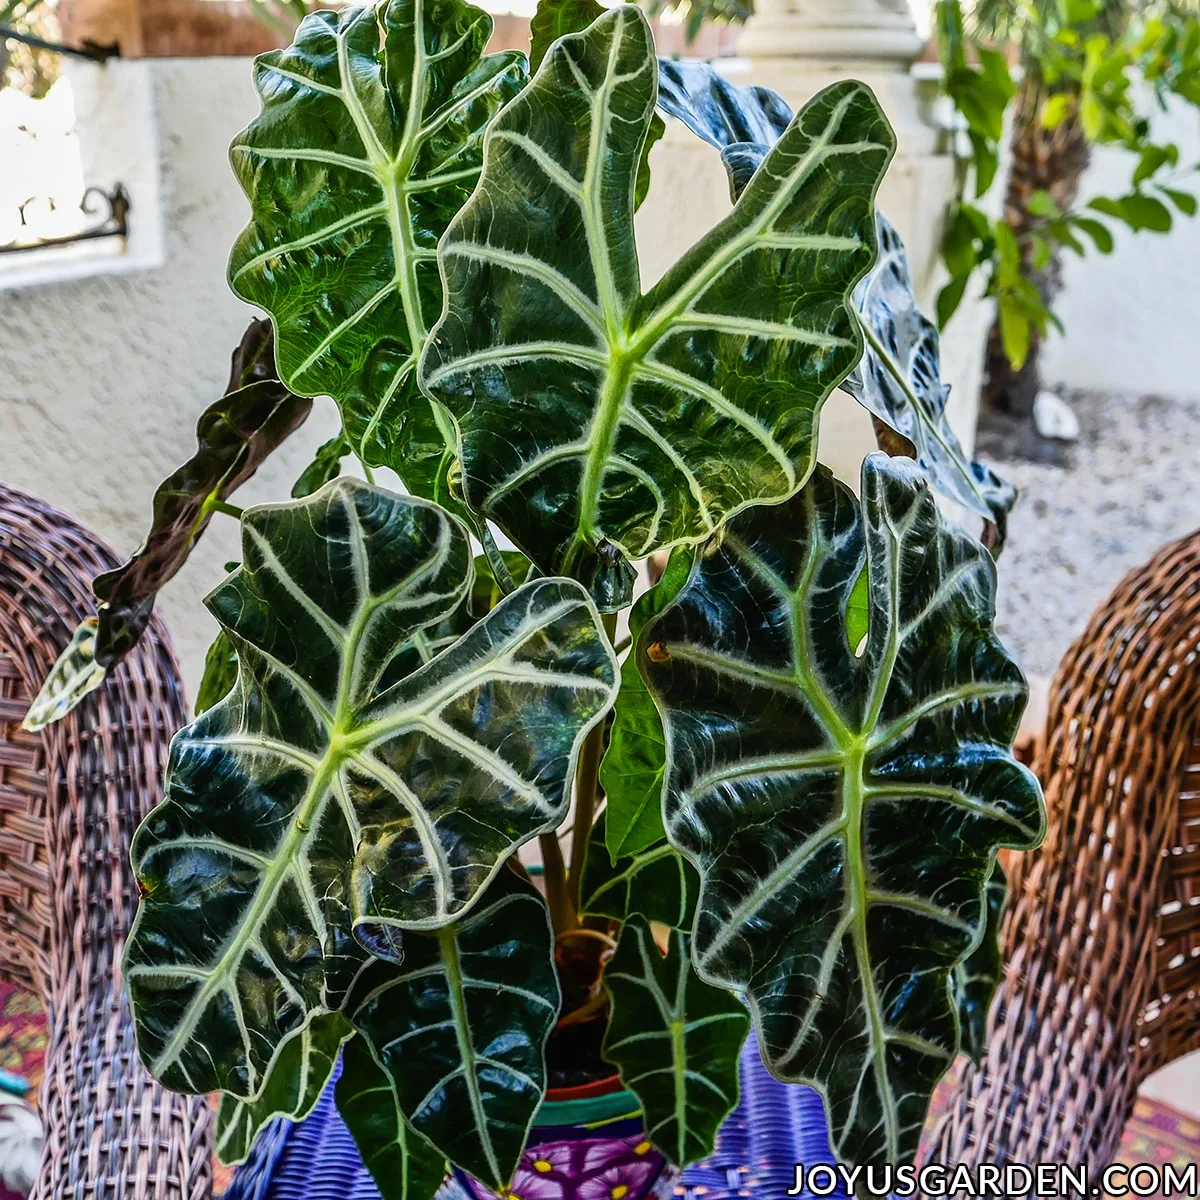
{"points": [[587, 1143]]}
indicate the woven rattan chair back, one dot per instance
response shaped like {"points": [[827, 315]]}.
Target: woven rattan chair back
{"points": [[1102, 931], [70, 799]]}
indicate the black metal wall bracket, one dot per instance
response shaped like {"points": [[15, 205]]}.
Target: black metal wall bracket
{"points": [[113, 221]]}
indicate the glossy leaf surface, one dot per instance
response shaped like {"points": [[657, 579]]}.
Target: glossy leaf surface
{"points": [[220, 673], [295, 1083], [742, 122], [843, 811], [368, 142], [403, 1165], [977, 977], [899, 381], [253, 359], [74, 674], [634, 764], [656, 881], [558, 18], [675, 1039], [598, 423], [233, 437], [325, 466], [460, 1029], [555, 19], [246, 868]]}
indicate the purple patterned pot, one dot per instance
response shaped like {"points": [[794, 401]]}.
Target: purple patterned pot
{"points": [[588, 1143], [773, 1128]]}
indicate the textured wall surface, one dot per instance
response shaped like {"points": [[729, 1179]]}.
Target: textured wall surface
{"points": [[101, 379]]}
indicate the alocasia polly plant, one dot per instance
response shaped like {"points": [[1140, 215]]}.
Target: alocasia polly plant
{"points": [[788, 796]]}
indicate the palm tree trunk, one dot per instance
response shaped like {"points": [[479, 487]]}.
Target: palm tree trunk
{"points": [[1053, 161]]}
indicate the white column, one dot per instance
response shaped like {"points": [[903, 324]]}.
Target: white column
{"points": [[799, 46]]}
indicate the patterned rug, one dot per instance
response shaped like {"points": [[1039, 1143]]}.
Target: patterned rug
{"points": [[1156, 1133], [22, 1037], [22, 1057]]}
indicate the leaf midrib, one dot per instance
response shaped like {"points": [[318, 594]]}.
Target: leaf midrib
{"points": [[319, 790], [628, 349], [448, 944]]}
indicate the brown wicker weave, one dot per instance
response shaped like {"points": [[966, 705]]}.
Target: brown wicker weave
{"points": [[1102, 932], [70, 799]]}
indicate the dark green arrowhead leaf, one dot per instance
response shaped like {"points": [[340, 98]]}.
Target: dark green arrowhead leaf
{"points": [[460, 1029], [296, 1080], [325, 466], [234, 436], [599, 423], [403, 1164], [368, 143], [843, 811], [634, 765], [656, 881], [245, 923], [73, 676], [220, 673], [675, 1039], [742, 122], [899, 381], [977, 977], [555, 19]]}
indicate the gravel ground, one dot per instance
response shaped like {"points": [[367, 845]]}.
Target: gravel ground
{"points": [[1127, 486]]}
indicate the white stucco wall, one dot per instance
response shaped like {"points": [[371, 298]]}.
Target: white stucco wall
{"points": [[1130, 317], [101, 379]]}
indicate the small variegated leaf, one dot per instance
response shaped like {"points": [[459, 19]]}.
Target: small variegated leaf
{"points": [[843, 810], [368, 142], [75, 673], [296, 1080], [460, 1029], [675, 1039], [233, 437], [656, 881], [403, 1164], [598, 423], [899, 381], [248, 869], [634, 764], [977, 977]]}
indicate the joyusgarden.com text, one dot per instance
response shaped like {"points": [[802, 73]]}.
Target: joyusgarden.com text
{"points": [[1013, 1179]]}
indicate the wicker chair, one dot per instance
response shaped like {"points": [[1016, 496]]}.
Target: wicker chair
{"points": [[69, 801], [1102, 932]]}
